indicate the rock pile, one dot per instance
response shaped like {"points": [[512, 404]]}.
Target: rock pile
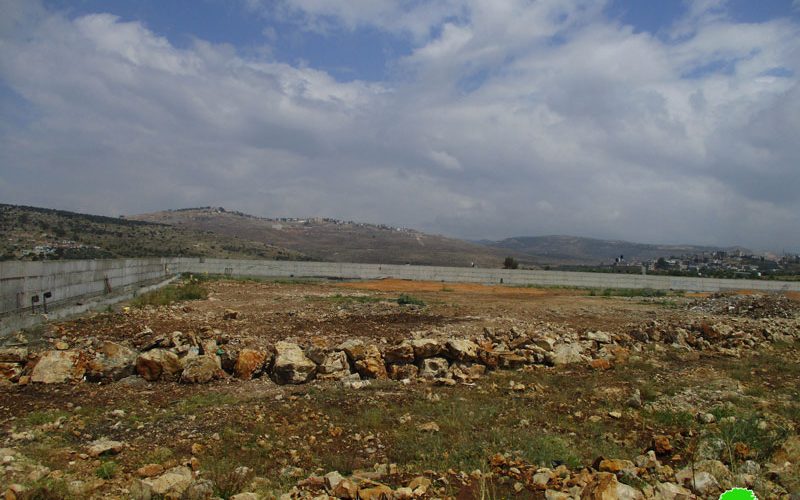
{"points": [[756, 306], [206, 356]]}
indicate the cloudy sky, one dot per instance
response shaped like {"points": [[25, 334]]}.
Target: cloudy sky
{"points": [[661, 121]]}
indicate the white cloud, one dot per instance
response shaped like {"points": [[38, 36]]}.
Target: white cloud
{"points": [[510, 118]]}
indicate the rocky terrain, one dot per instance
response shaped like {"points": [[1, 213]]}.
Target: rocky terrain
{"points": [[398, 389]]}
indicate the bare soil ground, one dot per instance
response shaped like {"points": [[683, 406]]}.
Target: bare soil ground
{"points": [[724, 398]]}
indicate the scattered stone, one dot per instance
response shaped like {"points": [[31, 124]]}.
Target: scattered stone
{"points": [[104, 447], [149, 470], [635, 401], [246, 496], [661, 445], [10, 371], [428, 427], [13, 355], [379, 492], [346, 489], [706, 418], [599, 337], [600, 364], [230, 314], [700, 482], [671, 491], [419, 485], [199, 489], [171, 484], [604, 486]]}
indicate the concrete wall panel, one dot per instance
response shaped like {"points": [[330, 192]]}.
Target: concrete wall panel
{"points": [[71, 282]]}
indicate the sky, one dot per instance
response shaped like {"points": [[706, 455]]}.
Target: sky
{"points": [[660, 122]]}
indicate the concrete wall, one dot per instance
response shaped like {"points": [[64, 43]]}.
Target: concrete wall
{"points": [[285, 269], [75, 286], [78, 285]]}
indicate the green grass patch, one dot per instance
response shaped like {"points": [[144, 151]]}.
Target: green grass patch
{"points": [[46, 489], [106, 470], [36, 418], [675, 419], [748, 429], [204, 400], [157, 456]]}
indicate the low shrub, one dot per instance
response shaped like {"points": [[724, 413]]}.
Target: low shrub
{"points": [[406, 300]]}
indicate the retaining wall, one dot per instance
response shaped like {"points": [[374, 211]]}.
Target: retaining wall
{"points": [[79, 285]]}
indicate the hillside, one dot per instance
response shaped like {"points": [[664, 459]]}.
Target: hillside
{"points": [[31, 233], [334, 240], [589, 251]]}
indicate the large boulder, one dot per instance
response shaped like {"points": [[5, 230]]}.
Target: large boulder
{"points": [[55, 367], [365, 358], [400, 372], [249, 363], [511, 360], [671, 491], [291, 365], [372, 367], [158, 364], [467, 371], [564, 354], [111, 362], [434, 368], [171, 484], [426, 348], [462, 350], [334, 366], [201, 370], [399, 354], [355, 349], [604, 486]]}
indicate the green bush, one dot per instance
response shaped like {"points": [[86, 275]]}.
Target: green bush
{"points": [[405, 300]]}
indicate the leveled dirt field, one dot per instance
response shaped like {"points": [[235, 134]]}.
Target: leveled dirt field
{"points": [[400, 389]]}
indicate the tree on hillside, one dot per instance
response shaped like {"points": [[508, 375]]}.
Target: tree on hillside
{"points": [[510, 263]]}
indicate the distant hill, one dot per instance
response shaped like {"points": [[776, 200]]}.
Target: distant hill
{"points": [[589, 251], [32, 233], [334, 240]]}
